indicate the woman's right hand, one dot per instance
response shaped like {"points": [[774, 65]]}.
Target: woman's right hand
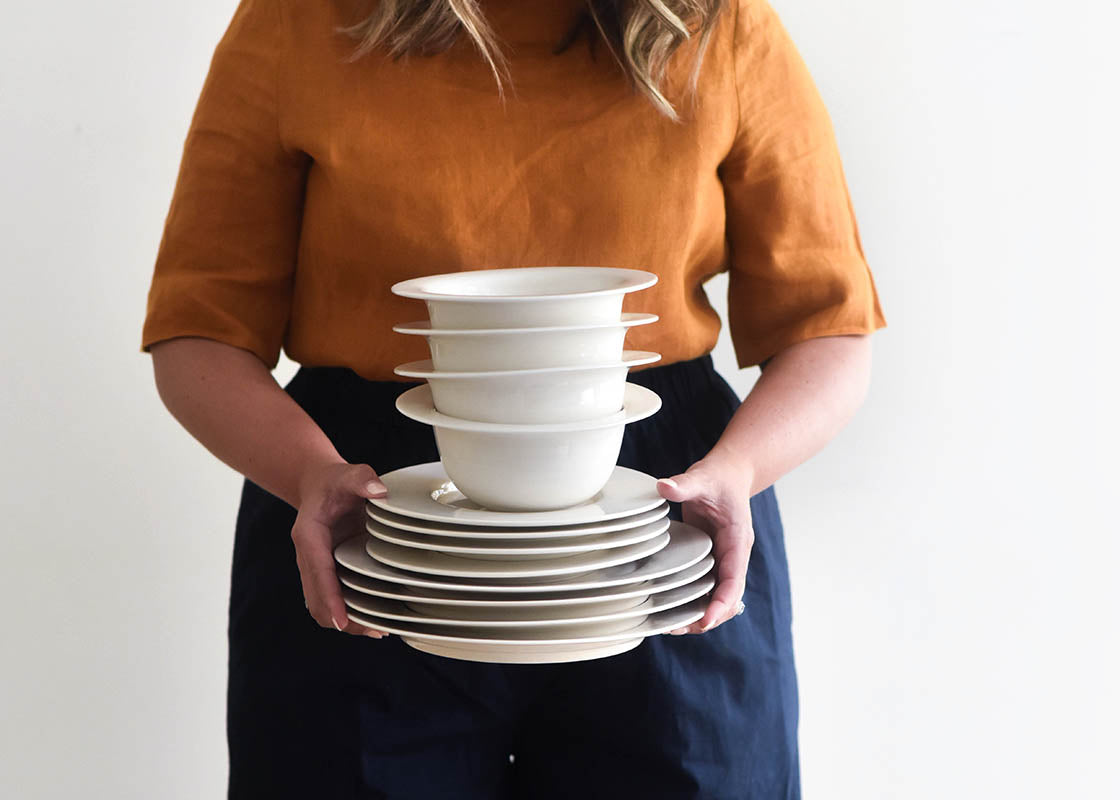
{"points": [[331, 510]]}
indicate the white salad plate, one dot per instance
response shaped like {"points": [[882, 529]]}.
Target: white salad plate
{"points": [[428, 562], [687, 546], [490, 618], [525, 296], [522, 547], [451, 530], [488, 349], [526, 603], [530, 396], [424, 492], [531, 645]]}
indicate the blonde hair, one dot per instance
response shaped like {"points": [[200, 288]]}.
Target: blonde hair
{"points": [[642, 35]]}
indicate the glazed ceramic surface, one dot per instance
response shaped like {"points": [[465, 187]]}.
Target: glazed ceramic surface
{"points": [[521, 548], [625, 595], [489, 618], [525, 297], [470, 350], [428, 562], [534, 645], [424, 492], [529, 467], [687, 546], [550, 394], [447, 530]]}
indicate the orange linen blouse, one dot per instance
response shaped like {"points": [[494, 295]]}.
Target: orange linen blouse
{"points": [[311, 183]]}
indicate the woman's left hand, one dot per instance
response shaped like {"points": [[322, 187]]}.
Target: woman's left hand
{"points": [[715, 497]]}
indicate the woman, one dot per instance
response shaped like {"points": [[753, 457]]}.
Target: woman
{"points": [[339, 147]]}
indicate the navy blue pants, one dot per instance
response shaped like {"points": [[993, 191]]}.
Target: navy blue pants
{"points": [[313, 713]]}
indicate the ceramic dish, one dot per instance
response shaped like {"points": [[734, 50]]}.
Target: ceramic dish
{"points": [[526, 296], [450, 530], [495, 618], [530, 396], [479, 350], [624, 595], [427, 562], [687, 546], [529, 467], [520, 548], [532, 645], [423, 492]]}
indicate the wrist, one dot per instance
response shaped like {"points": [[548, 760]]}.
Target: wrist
{"points": [[732, 464], [310, 482]]}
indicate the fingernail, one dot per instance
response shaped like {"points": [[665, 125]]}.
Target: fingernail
{"points": [[672, 484], [376, 488], [678, 632], [337, 627], [374, 634]]}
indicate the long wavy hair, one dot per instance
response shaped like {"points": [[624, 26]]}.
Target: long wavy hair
{"points": [[641, 35]]}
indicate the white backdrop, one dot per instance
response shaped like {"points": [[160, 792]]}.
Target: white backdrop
{"points": [[953, 551]]}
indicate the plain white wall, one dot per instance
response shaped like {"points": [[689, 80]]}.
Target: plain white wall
{"points": [[953, 551]]}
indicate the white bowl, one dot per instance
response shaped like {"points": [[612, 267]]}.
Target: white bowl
{"points": [[526, 297], [486, 350], [530, 396], [529, 467]]}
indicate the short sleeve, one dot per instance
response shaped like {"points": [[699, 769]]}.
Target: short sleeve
{"points": [[797, 268], [226, 260]]}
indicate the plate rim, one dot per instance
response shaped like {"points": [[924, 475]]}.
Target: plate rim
{"points": [[640, 278], [529, 569], [505, 547], [647, 586], [405, 578], [496, 532], [578, 514], [653, 628]]}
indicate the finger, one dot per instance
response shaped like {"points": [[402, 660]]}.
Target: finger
{"points": [[362, 480], [321, 588], [361, 629], [732, 557], [681, 488]]}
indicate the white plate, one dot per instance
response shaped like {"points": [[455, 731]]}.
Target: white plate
{"points": [[451, 530], [424, 492], [522, 547], [525, 654], [427, 562], [530, 396], [525, 284], [530, 646], [524, 602], [423, 327], [687, 546], [637, 404], [467, 617]]}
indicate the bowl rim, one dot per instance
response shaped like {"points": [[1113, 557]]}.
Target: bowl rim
{"points": [[425, 369], [424, 327], [413, 287], [638, 403]]}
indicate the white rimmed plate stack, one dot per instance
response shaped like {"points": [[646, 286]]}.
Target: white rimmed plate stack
{"points": [[525, 543]]}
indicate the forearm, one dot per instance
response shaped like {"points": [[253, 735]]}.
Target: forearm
{"points": [[804, 397], [228, 400]]}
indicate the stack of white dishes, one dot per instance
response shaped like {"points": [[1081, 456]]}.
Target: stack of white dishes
{"points": [[525, 543]]}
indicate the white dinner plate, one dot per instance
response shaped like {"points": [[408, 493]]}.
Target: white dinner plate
{"points": [[687, 545], [424, 327], [424, 492], [525, 284], [422, 370], [448, 529], [428, 562], [530, 645], [464, 617], [525, 547], [524, 601]]}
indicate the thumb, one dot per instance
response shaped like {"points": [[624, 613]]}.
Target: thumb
{"points": [[363, 481], [680, 488]]}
